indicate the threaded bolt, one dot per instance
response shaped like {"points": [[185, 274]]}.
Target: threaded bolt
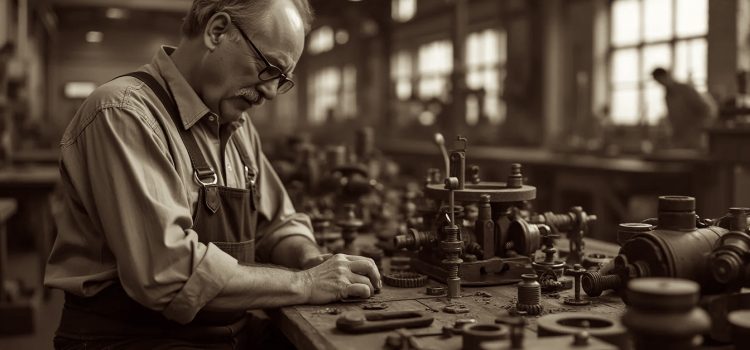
{"points": [[529, 295], [577, 271], [515, 179], [594, 283]]}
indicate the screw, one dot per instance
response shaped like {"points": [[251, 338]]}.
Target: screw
{"points": [[594, 283], [577, 271]]}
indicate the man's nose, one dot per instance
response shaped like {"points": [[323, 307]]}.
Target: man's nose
{"points": [[269, 89]]}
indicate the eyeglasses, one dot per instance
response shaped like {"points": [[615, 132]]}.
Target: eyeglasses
{"points": [[271, 72]]}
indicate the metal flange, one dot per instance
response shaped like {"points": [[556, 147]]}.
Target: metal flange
{"points": [[498, 192]]}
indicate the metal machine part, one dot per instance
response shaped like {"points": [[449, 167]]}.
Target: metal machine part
{"points": [[516, 325], [627, 230], [579, 341], [377, 321], [350, 224], [595, 261], [549, 264], [719, 307], [499, 244], [458, 326], [575, 223], [604, 327], [374, 253], [529, 295], [451, 245], [674, 248], [435, 290], [525, 238], [476, 334], [405, 279], [740, 321], [656, 305], [456, 309], [577, 271], [730, 261], [400, 263]]}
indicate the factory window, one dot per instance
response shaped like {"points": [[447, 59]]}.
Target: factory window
{"points": [[401, 74], [321, 40], [646, 34], [323, 94], [485, 70], [434, 68], [349, 92], [332, 94], [403, 10]]}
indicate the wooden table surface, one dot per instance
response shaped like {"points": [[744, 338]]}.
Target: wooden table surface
{"points": [[314, 327]]}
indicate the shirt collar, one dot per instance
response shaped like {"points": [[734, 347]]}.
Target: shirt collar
{"points": [[189, 104]]}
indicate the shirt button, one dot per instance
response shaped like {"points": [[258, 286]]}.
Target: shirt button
{"points": [[211, 118]]}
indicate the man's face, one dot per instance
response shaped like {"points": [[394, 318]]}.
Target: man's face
{"points": [[230, 82]]}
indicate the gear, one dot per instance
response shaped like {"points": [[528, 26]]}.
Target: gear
{"points": [[405, 279], [530, 309]]}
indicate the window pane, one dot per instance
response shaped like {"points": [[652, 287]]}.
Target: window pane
{"points": [[403, 10], [626, 22], [472, 110], [654, 104], [625, 106], [624, 66], [324, 94], [657, 21], [435, 63], [690, 61], [655, 56], [349, 92], [692, 17]]}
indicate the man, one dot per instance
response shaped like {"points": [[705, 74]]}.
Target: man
{"points": [[687, 111], [169, 198]]}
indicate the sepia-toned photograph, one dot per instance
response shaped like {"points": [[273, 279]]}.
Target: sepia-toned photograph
{"points": [[375, 174]]}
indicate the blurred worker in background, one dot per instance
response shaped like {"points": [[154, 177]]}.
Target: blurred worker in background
{"points": [[169, 200], [688, 112]]}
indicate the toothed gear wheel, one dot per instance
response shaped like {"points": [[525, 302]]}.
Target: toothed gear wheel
{"points": [[405, 279], [530, 309]]}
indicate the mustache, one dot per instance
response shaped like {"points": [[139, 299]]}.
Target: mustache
{"points": [[249, 93]]}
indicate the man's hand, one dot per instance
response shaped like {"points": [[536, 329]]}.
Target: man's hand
{"points": [[341, 276], [315, 260]]}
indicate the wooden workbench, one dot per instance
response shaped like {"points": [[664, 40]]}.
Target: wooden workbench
{"points": [[314, 327]]}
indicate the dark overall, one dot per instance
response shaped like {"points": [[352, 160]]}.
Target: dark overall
{"points": [[224, 216]]}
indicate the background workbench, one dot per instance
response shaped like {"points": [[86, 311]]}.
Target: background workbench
{"points": [[314, 327]]}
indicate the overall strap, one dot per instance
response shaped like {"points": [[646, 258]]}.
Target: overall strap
{"points": [[204, 174], [250, 175]]}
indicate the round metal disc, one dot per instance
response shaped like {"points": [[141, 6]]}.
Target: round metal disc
{"points": [[498, 192]]}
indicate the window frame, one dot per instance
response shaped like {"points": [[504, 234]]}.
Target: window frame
{"points": [[672, 41]]}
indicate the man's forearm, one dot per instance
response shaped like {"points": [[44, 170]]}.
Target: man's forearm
{"points": [[258, 287], [294, 252]]}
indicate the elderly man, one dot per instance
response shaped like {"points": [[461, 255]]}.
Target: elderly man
{"points": [[169, 200]]}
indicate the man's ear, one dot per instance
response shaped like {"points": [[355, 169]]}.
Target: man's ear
{"points": [[216, 29]]}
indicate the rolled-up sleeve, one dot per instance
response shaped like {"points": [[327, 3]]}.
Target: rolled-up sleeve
{"points": [[279, 219], [131, 190]]}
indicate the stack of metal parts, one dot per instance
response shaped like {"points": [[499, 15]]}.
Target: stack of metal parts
{"points": [[663, 314]]}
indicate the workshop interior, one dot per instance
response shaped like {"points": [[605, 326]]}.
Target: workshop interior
{"points": [[526, 174]]}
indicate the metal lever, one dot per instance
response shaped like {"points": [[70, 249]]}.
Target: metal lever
{"points": [[376, 321]]}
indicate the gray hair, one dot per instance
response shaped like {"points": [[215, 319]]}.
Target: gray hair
{"points": [[241, 10]]}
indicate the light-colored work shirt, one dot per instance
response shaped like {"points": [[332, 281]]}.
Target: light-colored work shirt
{"points": [[129, 196]]}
